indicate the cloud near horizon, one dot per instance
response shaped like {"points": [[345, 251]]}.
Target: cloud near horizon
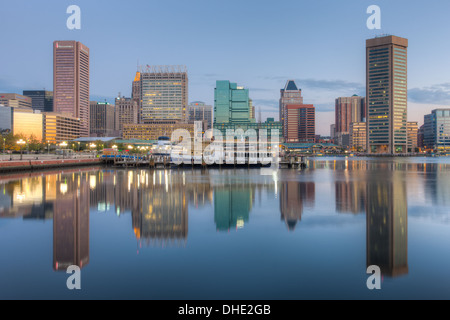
{"points": [[436, 94]]}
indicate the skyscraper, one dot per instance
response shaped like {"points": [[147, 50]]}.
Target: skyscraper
{"points": [[349, 110], [387, 85], [231, 104], [291, 94], [299, 123], [199, 111], [413, 130], [71, 81], [163, 93], [102, 119], [41, 100], [136, 94], [437, 130], [127, 112]]}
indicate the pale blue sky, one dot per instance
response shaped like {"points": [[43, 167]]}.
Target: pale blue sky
{"points": [[259, 44]]}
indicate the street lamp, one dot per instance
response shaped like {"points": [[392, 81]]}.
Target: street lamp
{"points": [[63, 145], [48, 147], [21, 143]]}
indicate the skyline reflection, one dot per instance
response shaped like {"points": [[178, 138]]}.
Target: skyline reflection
{"points": [[158, 203]]}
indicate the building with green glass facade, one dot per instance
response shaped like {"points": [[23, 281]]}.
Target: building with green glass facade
{"points": [[386, 89], [270, 125], [231, 104]]}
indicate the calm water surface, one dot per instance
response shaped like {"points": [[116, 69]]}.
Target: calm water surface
{"points": [[230, 234]]}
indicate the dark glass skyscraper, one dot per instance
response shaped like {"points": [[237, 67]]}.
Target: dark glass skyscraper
{"points": [[41, 100], [387, 85]]}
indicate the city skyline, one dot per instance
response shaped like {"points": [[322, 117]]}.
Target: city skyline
{"points": [[263, 73]]}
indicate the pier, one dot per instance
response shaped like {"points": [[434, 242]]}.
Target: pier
{"points": [[165, 162]]}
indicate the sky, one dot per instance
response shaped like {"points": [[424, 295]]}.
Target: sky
{"points": [[259, 44]]}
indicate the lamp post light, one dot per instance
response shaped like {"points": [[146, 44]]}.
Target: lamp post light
{"points": [[48, 147], [21, 142], [63, 145]]}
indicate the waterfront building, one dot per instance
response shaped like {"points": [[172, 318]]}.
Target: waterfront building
{"points": [[15, 100], [299, 123], [71, 81], [333, 131], [163, 93], [154, 130], [231, 104], [420, 137], [136, 94], [349, 110], [270, 125], [127, 112], [28, 123], [42, 100], [437, 130], [102, 119], [358, 136], [199, 111], [291, 94], [60, 128], [386, 89], [413, 130]]}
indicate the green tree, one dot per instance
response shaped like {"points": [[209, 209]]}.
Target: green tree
{"points": [[34, 144]]}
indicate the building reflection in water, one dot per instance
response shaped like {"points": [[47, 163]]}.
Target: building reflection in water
{"points": [[161, 214], [294, 196], [387, 224], [70, 220], [232, 206]]}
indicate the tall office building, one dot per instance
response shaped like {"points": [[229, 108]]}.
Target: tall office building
{"points": [[349, 110], [199, 111], [332, 131], [127, 112], [136, 94], [71, 81], [231, 104], [102, 119], [420, 137], [413, 130], [387, 86], [358, 136], [163, 93], [437, 130], [252, 111], [299, 123], [41, 100], [291, 94]]}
